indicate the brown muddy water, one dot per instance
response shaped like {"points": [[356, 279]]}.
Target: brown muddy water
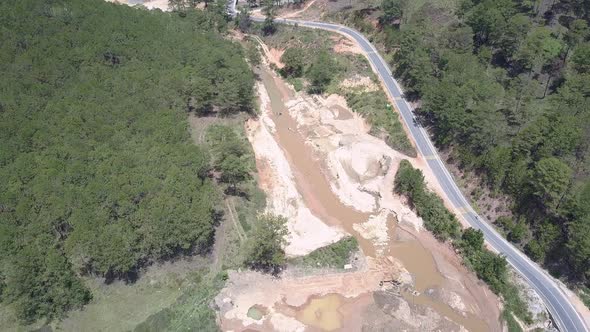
{"points": [[420, 263], [322, 312], [317, 194]]}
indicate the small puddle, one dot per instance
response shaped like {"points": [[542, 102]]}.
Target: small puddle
{"points": [[419, 262], [322, 312], [256, 312], [422, 266]]}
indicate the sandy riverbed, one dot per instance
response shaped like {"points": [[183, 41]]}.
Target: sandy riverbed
{"points": [[321, 168]]}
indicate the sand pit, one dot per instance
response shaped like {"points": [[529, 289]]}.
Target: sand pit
{"points": [[360, 169], [306, 231], [284, 297], [319, 166]]}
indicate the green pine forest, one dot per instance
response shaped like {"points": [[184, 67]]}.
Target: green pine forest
{"points": [[504, 88], [98, 173]]}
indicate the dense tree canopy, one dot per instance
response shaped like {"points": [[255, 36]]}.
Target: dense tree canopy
{"points": [[392, 10], [230, 155], [550, 179], [97, 170]]}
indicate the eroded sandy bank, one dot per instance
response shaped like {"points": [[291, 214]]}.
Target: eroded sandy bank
{"points": [[306, 231]]}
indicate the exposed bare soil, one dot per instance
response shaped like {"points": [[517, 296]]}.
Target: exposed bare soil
{"points": [[487, 203], [324, 157], [362, 83], [345, 45]]}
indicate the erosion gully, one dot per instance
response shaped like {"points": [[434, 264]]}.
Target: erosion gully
{"points": [[317, 194]]}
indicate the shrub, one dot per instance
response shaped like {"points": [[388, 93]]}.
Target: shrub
{"points": [[264, 250], [293, 59], [321, 72], [335, 255], [437, 219]]}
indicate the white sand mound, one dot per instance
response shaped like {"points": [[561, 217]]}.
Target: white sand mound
{"points": [[375, 230], [282, 323], [361, 167], [358, 169]]}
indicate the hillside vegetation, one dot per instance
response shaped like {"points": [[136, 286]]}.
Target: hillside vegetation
{"points": [[311, 63], [504, 88], [98, 173]]}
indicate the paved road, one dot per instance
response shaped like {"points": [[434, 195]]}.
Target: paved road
{"points": [[564, 314]]}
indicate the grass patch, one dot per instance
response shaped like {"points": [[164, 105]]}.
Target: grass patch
{"points": [[335, 255], [115, 307], [511, 323], [350, 66], [119, 306], [191, 311], [385, 122], [295, 36], [514, 302]]}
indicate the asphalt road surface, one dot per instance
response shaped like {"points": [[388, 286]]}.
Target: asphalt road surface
{"points": [[564, 313]]}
